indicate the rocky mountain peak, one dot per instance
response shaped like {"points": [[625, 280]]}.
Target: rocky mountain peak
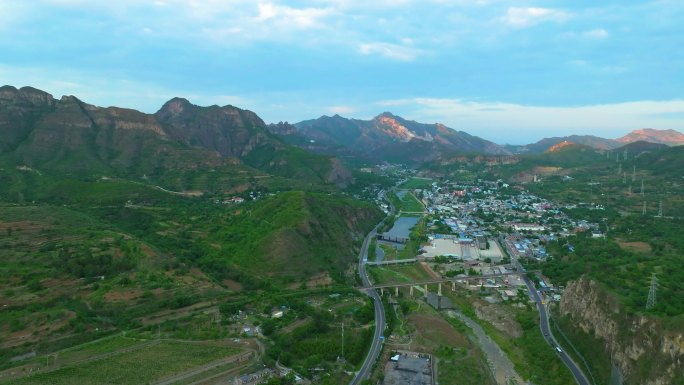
{"points": [[174, 106], [26, 96]]}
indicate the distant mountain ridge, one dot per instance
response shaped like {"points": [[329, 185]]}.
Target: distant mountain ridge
{"points": [[71, 136], [668, 137], [385, 137], [650, 135]]}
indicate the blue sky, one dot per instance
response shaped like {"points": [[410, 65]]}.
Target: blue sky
{"points": [[508, 71]]}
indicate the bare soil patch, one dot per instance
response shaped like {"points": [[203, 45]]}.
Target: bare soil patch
{"points": [[123, 295], [499, 317], [637, 247], [435, 329]]}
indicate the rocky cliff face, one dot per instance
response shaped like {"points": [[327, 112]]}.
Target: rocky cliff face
{"points": [[645, 349], [228, 130]]}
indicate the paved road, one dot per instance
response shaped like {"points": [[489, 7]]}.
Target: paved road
{"points": [[548, 335], [376, 345]]}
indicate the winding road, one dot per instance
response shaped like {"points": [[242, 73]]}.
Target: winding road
{"points": [[548, 335], [376, 345]]}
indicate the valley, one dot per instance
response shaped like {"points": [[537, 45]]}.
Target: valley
{"points": [[219, 249]]}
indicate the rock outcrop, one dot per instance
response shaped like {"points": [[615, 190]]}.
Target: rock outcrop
{"points": [[646, 349]]}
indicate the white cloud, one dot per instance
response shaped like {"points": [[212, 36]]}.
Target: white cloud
{"points": [[526, 17], [504, 122], [389, 50], [598, 34]]}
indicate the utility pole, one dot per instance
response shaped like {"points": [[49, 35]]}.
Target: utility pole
{"points": [[660, 209], [651, 301]]}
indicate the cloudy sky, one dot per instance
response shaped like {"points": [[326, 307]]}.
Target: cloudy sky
{"points": [[508, 71]]}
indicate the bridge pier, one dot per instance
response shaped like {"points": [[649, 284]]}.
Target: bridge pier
{"points": [[382, 292], [396, 291], [439, 289], [411, 291], [426, 292], [453, 285]]}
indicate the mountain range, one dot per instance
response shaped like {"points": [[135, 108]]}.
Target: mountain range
{"points": [[385, 137], [649, 135], [71, 136]]}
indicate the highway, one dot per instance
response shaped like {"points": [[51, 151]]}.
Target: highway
{"points": [[376, 345], [548, 335]]}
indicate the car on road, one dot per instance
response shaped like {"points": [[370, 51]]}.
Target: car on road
{"points": [[559, 350]]}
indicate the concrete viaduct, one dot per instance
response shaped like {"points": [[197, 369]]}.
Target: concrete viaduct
{"points": [[438, 282]]}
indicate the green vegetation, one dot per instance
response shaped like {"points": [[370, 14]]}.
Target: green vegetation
{"points": [[417, 183], [625, 272], [591, 348], [409, 202], [152, 362], [398, 273], [308, 337], [93, 257]]}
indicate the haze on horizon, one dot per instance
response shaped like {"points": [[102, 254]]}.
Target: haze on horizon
{"points": [[508, 71]]}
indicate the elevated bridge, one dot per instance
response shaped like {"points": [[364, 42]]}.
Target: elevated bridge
{"points": [[444, 280], [392, 262], [423, 285]]}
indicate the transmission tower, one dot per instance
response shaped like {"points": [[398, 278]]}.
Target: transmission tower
{"points": [[634, 173], [342, 340], [651, 302]]}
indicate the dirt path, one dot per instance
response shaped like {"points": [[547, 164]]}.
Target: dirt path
{"points": [[429, 270], [502, 368]]}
